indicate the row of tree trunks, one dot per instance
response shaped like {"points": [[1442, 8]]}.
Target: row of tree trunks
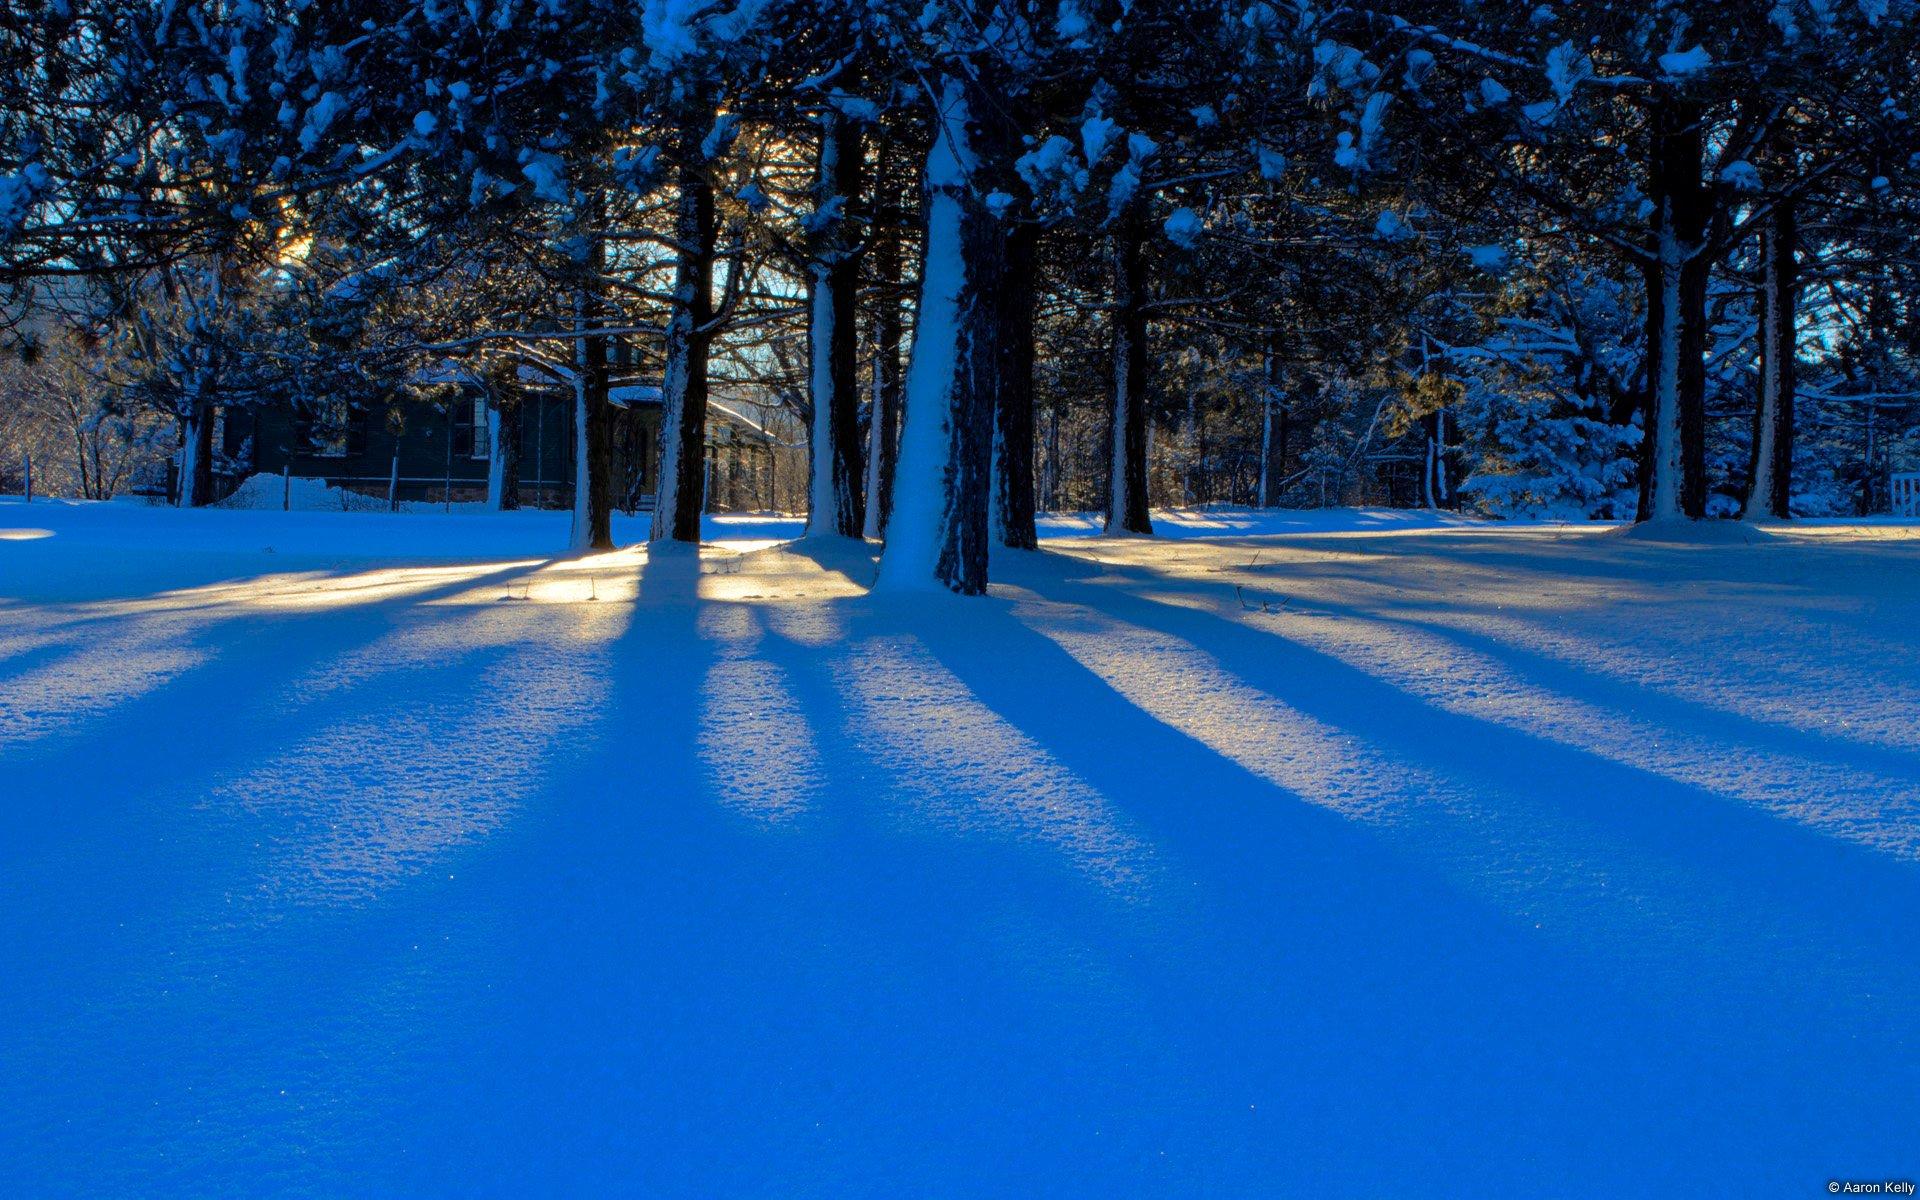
{"points": [[966, 478], [1772, 473], [835, 494], [681, 494], [1673, 475]]}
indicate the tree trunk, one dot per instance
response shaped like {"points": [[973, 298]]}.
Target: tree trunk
{"points": [[196, 457], [1194, 466], [1694, 277], [1273, 442], [834, 494], [1050, 473], [1127, 431], [1013, 515], [1673, 448], [1660, 416], [1772, 474], [683, 435], [593, 415], [599, 441], [581, 537], [1429, 491], [883, 419], [503, 448], [1873, 370], [1435, 490], [888, 332], [1282, 447], [937, 534]]}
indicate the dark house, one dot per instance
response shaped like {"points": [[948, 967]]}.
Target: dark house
{"points": [[411, 450], [435, 445]]}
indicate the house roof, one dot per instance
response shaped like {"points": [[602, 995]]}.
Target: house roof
{"points": [[636, 394], [626, 395]]}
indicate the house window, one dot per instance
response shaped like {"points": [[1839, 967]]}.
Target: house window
{"points": [[470, 427], [478, 447]]}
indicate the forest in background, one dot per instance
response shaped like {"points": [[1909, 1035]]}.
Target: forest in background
{"points": [[1577, 260]]}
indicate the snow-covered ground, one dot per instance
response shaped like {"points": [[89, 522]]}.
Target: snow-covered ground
{"points": [[1345, 854]]}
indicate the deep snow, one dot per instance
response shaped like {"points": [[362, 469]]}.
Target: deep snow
{"points": [[1341, 854]]}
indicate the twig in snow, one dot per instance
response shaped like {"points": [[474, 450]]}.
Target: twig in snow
{"points": [[1270, 607]]}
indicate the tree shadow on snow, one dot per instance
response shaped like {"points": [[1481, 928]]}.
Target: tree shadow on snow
{"points": [[1724, 844]]}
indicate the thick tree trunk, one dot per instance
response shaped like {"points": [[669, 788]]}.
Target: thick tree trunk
{"points": [[1429, 494], [599, 443], [1050, 465], [592, 414], [196, 457], [683, 435], [937, 534], [88, 473], [1273, 432], [883, 420], [1430, 485], [1693, 381], [1660, 417], [888, 259], [1282, 449], [1673, 449], [1013, 515], [1772, 487], [834, 493], [581, 537], [1871, 372], [1127, 431], [503, 446]]}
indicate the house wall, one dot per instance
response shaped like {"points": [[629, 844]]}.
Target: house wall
{"points": [[434, 448]]}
